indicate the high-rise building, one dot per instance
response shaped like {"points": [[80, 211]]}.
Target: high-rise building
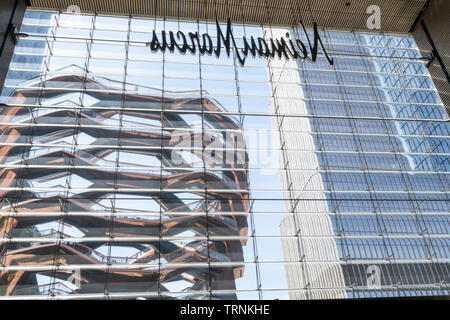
{"points": [[163, 156]]}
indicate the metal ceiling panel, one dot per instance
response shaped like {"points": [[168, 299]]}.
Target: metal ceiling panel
{"points": [[396, 15]]}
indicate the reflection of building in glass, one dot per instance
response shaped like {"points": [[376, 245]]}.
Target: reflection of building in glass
{"points": [[369, 204], [114, 184], [106, 172]]}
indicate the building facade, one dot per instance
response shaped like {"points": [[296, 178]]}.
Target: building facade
{"points": [[133, 172]]}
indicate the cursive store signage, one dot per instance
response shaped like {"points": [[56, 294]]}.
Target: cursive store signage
{"points": [[267, 48]]}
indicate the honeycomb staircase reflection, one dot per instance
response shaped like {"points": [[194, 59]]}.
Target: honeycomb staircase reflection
{"points": [[46, 149]]}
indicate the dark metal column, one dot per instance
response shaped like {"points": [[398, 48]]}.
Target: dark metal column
{"points": [[11, 14]]}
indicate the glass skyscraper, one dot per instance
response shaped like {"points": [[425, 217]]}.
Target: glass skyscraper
{"points": [[133, 174]]}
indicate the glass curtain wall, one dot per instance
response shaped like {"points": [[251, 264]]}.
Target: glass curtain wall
{"points": [[127, 173]]}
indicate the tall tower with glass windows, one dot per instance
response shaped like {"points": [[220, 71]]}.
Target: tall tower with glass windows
{"points": [[368, 194]]}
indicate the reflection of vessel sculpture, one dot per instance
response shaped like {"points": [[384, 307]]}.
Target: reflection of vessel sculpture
{"points": [[69, 168]]}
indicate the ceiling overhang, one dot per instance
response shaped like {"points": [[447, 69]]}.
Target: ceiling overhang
{"points": [[396, 15]]}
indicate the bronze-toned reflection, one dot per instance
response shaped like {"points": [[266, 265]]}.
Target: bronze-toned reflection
{"points": [[83, 190]]}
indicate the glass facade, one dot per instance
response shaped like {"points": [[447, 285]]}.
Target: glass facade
{"points": [[127, 173]]}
